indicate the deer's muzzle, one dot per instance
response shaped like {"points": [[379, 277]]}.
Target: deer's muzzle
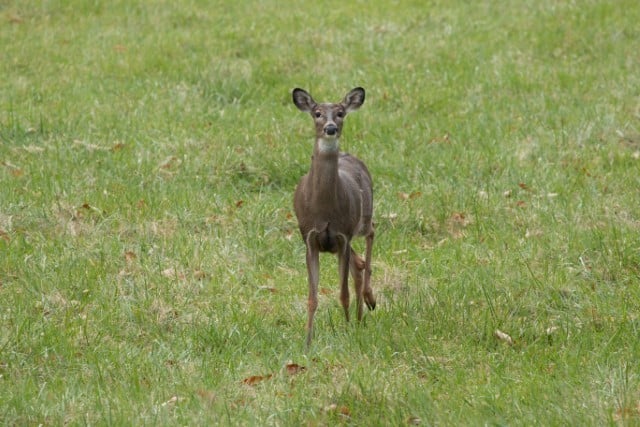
{"points": [[331, 129]]}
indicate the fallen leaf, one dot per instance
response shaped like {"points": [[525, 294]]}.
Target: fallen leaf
{"points": [[268, 289], [130, 256], [294, 368], [459, 218], [4, 235], [168, 162], [255, 379], [503, 337], [342, 409], [239, 203], [325, 291]]}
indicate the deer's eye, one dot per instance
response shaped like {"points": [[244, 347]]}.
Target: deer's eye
{"points": [[318, 114], [340, 114]]}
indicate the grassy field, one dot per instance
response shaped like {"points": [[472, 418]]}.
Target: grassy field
{"points": [[151, 271]]}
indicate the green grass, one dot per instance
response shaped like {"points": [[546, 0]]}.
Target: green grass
{"points": [[150, 267]]}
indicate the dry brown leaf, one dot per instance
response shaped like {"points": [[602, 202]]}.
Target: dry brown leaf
{"points": [[130, 256], [239, 203], [459, 218], [341, 409], [344, 410], [168, 163], [294, 368], [255, 379], [325, 291], [4, 235]]}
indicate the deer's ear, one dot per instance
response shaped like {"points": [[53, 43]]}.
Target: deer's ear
{"points": [[354, 99], [303, 100]]}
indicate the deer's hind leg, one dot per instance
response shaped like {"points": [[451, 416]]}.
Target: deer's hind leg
{"points": [[369, 297]]}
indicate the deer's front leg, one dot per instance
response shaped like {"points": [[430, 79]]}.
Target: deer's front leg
{"points": [[344, 254], [356, 265], [313, 269]]}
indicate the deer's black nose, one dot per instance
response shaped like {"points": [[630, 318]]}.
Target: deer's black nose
{"points": [[331, 130]]}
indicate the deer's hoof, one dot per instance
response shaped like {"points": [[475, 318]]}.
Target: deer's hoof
{"points": [[371, 304]]}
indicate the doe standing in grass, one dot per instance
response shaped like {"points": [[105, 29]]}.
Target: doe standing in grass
{"points": [[333, 203]]}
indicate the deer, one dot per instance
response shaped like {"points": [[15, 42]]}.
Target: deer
{"points": [[333, 204]]}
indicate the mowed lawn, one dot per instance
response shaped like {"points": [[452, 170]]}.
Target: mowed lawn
{"points": [[151, 269]]}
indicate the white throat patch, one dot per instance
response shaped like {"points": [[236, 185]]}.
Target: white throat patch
{"points": [[328, 145]]}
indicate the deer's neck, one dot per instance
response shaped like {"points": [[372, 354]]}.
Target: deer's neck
{"points": [[324, 175]]}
